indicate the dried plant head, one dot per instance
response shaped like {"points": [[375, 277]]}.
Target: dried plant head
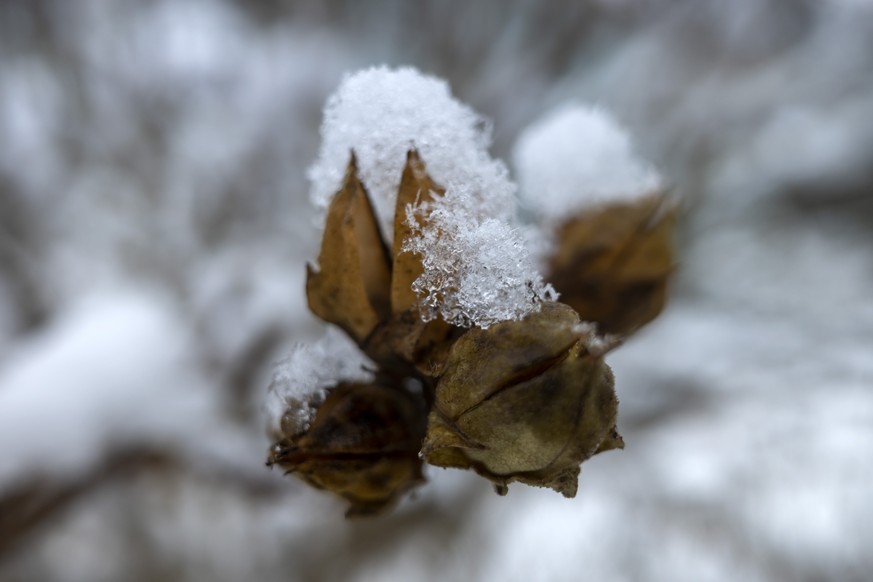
{"points": [[362, 445], [513, 384]]}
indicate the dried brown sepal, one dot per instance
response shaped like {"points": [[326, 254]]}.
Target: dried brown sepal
{"points": [[416, 187], [352, 286], [406, 344], [524, 401], [362, 445], [612, 264], [405, 339]]}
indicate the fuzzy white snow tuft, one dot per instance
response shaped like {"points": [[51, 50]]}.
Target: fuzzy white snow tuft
{"points": [[301, 378], [381, 113], [576, 157], [477, 269]]}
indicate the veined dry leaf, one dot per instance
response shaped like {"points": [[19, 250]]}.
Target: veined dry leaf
{"points": [[612, 264], [362, 445], [524, 401], [352, 286]]}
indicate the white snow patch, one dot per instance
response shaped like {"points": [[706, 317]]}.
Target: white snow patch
{"points": [[114, 371], [477, 269], [300, 380], [381, 113], [576, 157]]}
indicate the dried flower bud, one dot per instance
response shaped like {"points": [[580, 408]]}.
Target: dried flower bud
{"points": [[524, 401], [362, 445], [612, 264]]}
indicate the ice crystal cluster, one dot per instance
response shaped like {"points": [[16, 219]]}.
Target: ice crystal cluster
{"points": [[301, 378], [477, 271]]}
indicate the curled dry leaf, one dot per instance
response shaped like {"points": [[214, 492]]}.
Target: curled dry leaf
{"points": [[612, 264], [362, 445], [526, 401]]}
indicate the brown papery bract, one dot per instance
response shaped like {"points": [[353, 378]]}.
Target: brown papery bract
{"points": [[611, 264], [350, 287]]}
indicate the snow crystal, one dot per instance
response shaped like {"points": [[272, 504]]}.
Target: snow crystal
{"points": [[477, 269], [578, 156], [301, 378], [381, 113]]}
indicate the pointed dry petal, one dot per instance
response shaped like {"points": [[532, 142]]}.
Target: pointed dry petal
{"points": [[352, 287], [416, 187]]}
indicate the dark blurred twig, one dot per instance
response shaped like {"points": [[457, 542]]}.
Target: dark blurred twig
{"points": [[33, 505]]}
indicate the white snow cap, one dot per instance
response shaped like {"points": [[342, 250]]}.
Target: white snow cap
{"points": [[301, 379], [577, 157], [477, 269], [381, 113]]}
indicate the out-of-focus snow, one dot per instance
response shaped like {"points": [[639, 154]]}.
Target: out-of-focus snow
{"points": [[477, 269], [381, 114], [578, 157], [301, 378], [103, 377]]}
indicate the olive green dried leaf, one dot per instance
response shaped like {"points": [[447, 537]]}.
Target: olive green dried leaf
{"points": [[486, 360], [523, 401], [416, 187], [352, 287], [612, 264], [362, 445]]}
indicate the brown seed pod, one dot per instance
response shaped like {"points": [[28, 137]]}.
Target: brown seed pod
{"points": [[362, 445], [524, 401], [612, 264]]}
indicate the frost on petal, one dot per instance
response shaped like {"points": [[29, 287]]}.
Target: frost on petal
{"points": [[477, 269], [577, 157], [381, 113], [301, 378]]}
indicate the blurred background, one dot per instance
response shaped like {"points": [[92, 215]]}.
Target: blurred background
{"points": [[154, 227]]}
